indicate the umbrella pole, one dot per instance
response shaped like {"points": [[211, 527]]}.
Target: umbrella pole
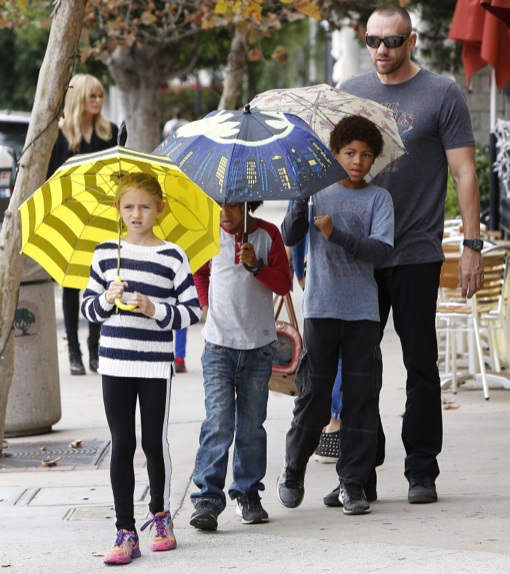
{"points": [[245, 234], [494, 179]]}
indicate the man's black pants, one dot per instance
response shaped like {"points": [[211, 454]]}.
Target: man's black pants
{"points": [[324, 341], [411, 291]]}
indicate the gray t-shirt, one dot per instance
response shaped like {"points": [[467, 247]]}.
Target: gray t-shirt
{"points": [[432, 116], [337, 285]]}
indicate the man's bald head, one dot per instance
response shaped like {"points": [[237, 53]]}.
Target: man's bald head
{"points": [[390, 10]]}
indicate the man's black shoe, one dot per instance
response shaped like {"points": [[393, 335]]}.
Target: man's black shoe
{"points": [[353, 499], [290, 486], [332, 499], [250, 509], [370, 489], [422, 488], [205, 516]]}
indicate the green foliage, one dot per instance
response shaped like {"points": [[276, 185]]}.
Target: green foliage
{"points": [[482, 164], [269, 73], [183, 98], [22, 55]]}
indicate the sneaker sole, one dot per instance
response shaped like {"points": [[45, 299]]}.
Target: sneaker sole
{"points": [[423, 499], [260, 520], [325, 459], [204, 523], [357, 511], [113, 561], [163, 549]]}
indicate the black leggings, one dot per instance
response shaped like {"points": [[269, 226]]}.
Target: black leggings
{"points": [[71, 308], [119, 395]]}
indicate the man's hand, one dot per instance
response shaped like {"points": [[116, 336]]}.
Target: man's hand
{"points": [[247, 255], [205, 310], [115, 291], [324, 223], [470, 272], [145, 305]]}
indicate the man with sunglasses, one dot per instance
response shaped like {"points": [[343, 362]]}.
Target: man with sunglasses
{"points": [[434, 122]]}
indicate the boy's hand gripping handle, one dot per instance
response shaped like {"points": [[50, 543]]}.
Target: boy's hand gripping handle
{"points": [[122, 305]]}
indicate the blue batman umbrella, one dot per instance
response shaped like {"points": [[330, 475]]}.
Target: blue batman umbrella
{"points": [[252, 155]]}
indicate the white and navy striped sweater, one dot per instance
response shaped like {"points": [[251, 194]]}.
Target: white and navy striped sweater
{"points": [[133, 345]]}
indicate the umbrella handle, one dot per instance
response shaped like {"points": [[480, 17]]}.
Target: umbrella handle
{"points": [[245, 240], [122, 305]]}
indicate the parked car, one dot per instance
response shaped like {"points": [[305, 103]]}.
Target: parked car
{"points": [[13, 132]]}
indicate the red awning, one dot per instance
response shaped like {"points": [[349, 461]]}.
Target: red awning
{"points": [[485, 39], [500, 9]]}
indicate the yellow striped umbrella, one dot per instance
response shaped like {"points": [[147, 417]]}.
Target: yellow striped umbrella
{"points": [[74, 210]]}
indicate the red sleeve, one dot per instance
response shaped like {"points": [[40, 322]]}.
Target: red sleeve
{"points": [[276, 274], [202, 278]]}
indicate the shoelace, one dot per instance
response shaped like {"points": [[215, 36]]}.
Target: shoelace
{"points": [[159, 522], [119, 539], [292, 478]]}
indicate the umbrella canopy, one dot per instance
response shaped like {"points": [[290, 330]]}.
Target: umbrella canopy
{"points": [[322, 107], [500, 9], [485, 40], [74, 210], [252, 155]]}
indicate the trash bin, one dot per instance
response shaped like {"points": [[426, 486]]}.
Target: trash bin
{"points": [[34, 405]]}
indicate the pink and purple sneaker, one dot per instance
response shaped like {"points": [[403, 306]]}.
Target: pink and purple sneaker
{"points": [[161, 532], [124, 549]]}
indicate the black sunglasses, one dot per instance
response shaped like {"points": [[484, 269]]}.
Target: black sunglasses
{"points": [[390, 41]]}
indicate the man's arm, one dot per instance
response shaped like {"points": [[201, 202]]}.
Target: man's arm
{"points": [[462, 166]]}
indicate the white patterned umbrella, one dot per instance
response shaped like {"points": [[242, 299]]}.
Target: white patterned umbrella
{"points": [[322, 107]]}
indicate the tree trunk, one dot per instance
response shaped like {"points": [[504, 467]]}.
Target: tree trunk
{"points": [[53, 79], [139, 73], [236, 67]]}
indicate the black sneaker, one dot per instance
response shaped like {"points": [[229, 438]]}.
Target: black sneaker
{"points": [[353, 499], [329, 447], [205, 516], [290, 486], [332, 499], [250, 509], [422, 488], [370, 489]]}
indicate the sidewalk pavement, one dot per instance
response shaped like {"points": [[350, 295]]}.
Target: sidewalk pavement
{"points": [[53, 520]]}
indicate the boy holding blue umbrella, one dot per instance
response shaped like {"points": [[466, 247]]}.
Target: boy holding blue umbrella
{"points": [[237, 303]]}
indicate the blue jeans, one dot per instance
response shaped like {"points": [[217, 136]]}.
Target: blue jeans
{"points": [[236, 393], [336, 395]]}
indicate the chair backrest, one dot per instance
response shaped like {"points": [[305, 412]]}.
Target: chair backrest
{"points": [[495, 267]]}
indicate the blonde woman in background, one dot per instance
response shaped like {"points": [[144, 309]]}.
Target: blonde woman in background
{"points": [[83, 129]]}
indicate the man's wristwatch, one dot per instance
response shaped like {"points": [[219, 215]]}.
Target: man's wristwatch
{"points": [[474, 244]]}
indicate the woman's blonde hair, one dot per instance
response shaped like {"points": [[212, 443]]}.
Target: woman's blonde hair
{"points": [[139, 182], [81, 87]]}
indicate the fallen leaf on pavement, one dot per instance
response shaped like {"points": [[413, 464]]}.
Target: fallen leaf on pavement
{"points": [[98, 553], [447, 401], [75, 444], [53, 462], [451, 407], [42, 448]]}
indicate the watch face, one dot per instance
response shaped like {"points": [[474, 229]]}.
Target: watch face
{"points": [[475, 244]]}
